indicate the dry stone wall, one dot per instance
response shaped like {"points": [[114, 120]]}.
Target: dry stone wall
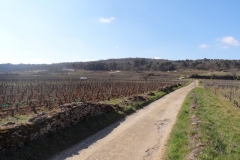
{"points": [[12, 135]]}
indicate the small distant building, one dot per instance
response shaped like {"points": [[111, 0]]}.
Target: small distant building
{"points": [[68, 70], [83, 78]]}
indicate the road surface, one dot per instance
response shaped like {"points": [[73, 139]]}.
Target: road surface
{"points": [[141, 136]]}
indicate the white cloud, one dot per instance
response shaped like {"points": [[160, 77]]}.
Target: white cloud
{"points": [[202, 46], [157, 57], [229, 40], [224, 47], [117, 47], [106, 20], [87, 60]]}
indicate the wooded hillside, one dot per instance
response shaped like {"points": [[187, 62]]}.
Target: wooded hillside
{"points": [[130, 64]]}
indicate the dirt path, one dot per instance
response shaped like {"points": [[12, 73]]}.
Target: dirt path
{"points": [[141, 136]]}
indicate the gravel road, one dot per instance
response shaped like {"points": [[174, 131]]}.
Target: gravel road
{"points": [[141, 136]]}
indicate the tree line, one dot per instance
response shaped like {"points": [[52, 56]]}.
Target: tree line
{"points": [[129, 64]]}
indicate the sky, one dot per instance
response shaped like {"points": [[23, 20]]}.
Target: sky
{"points": [[54, 31]]}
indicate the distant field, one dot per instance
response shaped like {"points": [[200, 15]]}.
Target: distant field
{"points": [[118, 73], [21, 97]]}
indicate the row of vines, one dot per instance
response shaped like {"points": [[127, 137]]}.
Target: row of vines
{"points": [[29, 95], [229, 89]]}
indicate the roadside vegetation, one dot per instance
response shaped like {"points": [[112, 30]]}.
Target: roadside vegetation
{"points": [[207, 128]]}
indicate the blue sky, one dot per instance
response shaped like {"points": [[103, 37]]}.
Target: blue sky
{"points": [[53, 31]]}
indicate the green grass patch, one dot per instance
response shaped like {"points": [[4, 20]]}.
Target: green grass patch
{"points": [[219, 128], [114, 101], [179, 141], [16, 119]]}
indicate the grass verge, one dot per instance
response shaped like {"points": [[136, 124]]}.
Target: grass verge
{"points": [[45, 147], [178, 146], [219, 128]]}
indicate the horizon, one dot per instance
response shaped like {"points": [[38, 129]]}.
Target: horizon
{"points": [[117, 59], [43, 32]]}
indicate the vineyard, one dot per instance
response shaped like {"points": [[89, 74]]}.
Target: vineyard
{"points": [[229, 89], [24, 96]]}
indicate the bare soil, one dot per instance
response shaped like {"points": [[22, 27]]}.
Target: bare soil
{"points": [[141, 136]]}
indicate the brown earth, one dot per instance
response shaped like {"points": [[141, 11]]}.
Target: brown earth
{"points": [[142, 135]]}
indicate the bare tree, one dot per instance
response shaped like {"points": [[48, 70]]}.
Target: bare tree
{"points": [[234, 72], [145, 76]]}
